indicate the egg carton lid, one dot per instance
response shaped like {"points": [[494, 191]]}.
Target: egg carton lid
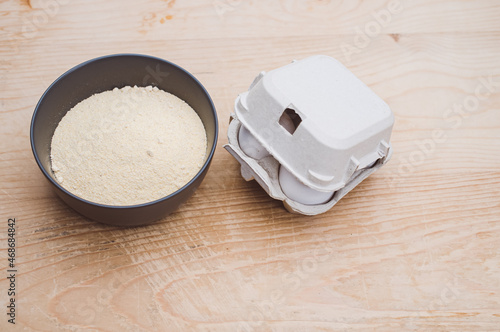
{"points": [[344, 126]]}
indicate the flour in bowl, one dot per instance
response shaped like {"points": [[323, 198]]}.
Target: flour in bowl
{"points": [[128, 146]]}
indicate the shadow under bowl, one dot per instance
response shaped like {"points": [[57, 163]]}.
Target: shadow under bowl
{"points": [[106, 73]]}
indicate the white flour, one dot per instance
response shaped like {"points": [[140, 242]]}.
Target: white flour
{"points": [[128, 146]]}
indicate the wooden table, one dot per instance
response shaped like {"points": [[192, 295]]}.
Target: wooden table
{"points": [[415, 247]]}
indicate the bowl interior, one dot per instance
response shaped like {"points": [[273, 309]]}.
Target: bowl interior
{"points": [[106, 73]]}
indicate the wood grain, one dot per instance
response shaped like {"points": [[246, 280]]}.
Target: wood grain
{"points": [[414, 247]]}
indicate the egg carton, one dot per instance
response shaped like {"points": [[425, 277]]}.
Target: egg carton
{"points": [[309, 132]]}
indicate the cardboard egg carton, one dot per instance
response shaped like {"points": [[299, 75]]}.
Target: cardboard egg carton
{"points": [[340, 134]]}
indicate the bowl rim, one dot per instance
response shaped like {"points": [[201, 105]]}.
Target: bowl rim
{"points": [[117, 55]]}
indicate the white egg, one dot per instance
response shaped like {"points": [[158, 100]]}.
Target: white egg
{"points": [[250, 145], [299, 192]]}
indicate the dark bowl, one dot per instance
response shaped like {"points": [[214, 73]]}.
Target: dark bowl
{"points": [[106, 73]]}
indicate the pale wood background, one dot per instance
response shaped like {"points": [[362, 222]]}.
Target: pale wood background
{"points": [[415, 247]]}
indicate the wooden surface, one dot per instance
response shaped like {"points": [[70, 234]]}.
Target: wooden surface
{"points": [[414, 247]]}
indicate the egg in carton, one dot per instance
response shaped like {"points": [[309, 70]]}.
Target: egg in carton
{"points": [[309, 132]]}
